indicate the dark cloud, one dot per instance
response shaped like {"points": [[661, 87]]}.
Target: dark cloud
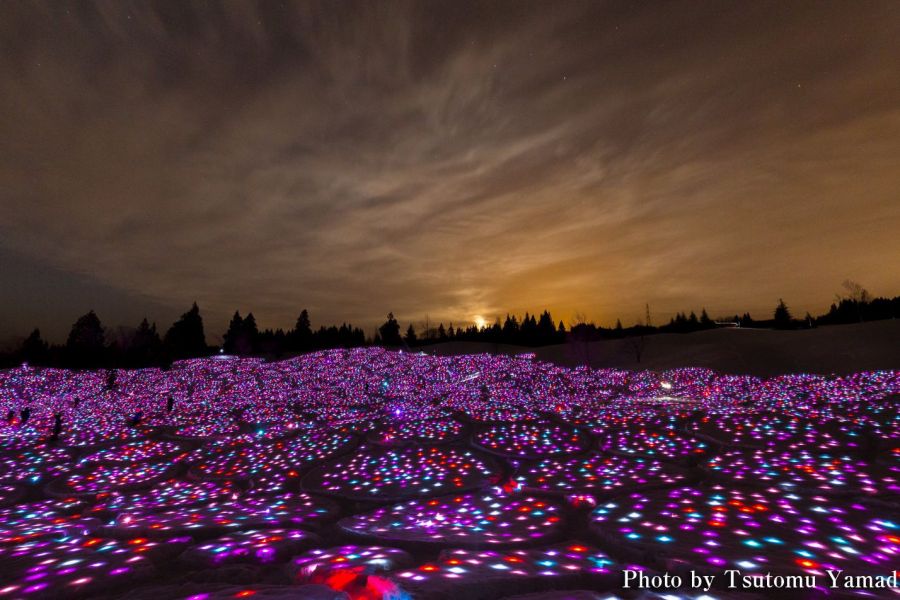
{"points": [[455, 159]]}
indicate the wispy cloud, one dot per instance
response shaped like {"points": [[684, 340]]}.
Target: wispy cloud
{"points": [[455, 159]]}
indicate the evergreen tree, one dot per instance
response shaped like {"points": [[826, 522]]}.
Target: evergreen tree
{"points": [[231, 339], [410, 337], [705, 321], [249, 340], [495, 332], [442, 333], [34, 349], [185, 339], [145, 346], [390, 332], [86, 343], [301, 337], [510, 330], [528, 331], [782, 315], [546, 331]]}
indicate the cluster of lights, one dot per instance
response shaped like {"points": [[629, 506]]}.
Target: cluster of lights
{"points": [[205, 430], [228, 516], [137, 451], [167, 494], [432, 430], [757, 429], [804, 471], [329, 560], [83, 433], [36, 465], [517, 570], [754, 531], [47, 518], [532, 440], [93, 479], [115, 478], [237, 458], [597, 474], [461, 520], [260, 546], [374, 473], [78, 566], [663, 444]]}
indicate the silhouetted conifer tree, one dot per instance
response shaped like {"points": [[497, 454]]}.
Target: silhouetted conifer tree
{"points": [[249, 339], [782, 315], [34, 349], [546, 330], [510, 330], [301, 336], [410, 336], [144, 347], [185, 338], [86, 343], [390, 332], [232, 337]]}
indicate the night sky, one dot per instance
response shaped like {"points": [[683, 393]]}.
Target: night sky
{"points": [[451, 159]]}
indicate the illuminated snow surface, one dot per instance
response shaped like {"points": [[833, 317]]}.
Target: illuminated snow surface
{"points": [[372, 474]]}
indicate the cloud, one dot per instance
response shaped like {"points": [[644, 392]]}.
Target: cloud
{"points": [[452, 159]]}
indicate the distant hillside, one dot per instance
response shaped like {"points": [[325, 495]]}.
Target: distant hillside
{"points": [[836, 349]]}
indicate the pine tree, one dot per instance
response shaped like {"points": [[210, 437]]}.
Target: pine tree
{"points": [[249, 340], [510, 330], [185, 339], [232, 337], [34, 349], [782, 315], [390, 332], [301, 336], [86, 343], [546, 331], [410, 337], [145, 346]]}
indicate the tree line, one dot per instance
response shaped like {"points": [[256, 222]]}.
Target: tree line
{"points": [[90, 345]]}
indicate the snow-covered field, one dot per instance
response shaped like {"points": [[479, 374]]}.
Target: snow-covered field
{"points": [[373, 474]]}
